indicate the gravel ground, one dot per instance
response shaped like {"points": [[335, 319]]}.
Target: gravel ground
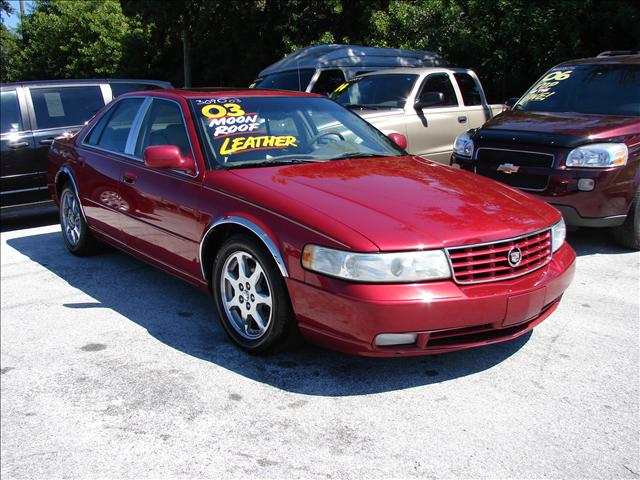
{"points": [[112, 369]]}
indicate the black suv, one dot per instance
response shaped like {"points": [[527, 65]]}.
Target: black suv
{"points": [[32, 114]]}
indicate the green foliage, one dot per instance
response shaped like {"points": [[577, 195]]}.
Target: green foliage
{"points": [[74, 39], [8, 52], [509, 43]]}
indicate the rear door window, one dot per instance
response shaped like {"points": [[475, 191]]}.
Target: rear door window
{"points": [[441, 83], [112, 131], [57, 107], [10, 120], [469, 89]]}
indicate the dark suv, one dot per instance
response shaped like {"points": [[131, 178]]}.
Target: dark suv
{"points": [[32, 114], [573, 140]]}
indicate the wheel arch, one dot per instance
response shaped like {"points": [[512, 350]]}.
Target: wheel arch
{"points": [[221, 229], [64, 175]]}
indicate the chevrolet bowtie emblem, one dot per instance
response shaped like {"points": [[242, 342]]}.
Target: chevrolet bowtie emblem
{"points": [[508, 168]]}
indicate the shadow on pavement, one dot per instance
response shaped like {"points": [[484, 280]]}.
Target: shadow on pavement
{"points": [[183, 318], [587, 241]]}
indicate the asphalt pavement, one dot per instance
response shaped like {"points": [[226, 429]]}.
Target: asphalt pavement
{"points": [[113, 369]]}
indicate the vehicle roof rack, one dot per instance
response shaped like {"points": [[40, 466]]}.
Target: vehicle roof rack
{"points": [[615, 53]]}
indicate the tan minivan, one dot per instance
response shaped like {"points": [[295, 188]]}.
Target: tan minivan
{"points": [[430, 106]]}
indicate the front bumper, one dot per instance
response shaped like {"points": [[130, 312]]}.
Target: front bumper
{"points": [[444, 315], [606, 205]]}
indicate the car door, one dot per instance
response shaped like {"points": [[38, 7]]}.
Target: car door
{"points": [[99, 167], [475, 106], [162, 221], [23, 178], [432, 130]]}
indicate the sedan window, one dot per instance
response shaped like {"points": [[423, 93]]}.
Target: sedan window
{"points": [[112, 131]]}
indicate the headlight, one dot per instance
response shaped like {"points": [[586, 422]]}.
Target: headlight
{"points": [[377, 267], [558, 234], [598, 155], [463, 145]]}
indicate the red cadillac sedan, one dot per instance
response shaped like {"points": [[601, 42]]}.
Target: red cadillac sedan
{"points": [[302, 219]]}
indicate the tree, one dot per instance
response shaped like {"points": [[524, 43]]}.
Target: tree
{"points": [[74, 38]]}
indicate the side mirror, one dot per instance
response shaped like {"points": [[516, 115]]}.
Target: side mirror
{"points": [[399, 139], [168, 156], [510, 102], [429, 99]]}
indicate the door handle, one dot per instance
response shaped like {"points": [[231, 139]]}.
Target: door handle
{"points": [[462, 119], [129, 178], [46, 141], [17, 145]]}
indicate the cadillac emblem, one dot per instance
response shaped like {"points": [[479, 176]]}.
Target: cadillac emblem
{"points": [[508, 168], [514, 257]]}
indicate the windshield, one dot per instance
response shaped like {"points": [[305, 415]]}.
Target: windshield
{"points": [[256, 131], [376, 91], [595, 89], [292, 80]]}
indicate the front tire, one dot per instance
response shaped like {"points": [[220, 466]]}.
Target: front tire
{"points": [[251, 297], [75, 231], [628, 234]]}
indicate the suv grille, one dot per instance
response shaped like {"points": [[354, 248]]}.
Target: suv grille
{"points": [[490, 262], [489, 159]]}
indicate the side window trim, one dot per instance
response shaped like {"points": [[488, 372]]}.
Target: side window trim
{"points": [[453, 88], [23, 105], [132, 139]]}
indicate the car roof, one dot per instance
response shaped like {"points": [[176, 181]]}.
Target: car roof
{"points": [[613, 60], [336, 55], [415, 71], [223, 92], [84, 81]]}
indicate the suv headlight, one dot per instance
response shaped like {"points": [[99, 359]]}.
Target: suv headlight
{"points": [[598, 155], [463, 145], [558, 234], [377, 267]]}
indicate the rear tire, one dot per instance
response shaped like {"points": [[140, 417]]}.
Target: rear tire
{"points": [[628, 234], [251, 297], [75, 231]]}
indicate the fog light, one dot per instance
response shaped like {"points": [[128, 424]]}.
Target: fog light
{"points": [[586, 184], [396, 339]]}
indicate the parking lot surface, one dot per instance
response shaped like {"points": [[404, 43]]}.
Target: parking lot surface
{"points": [[111, 368]]}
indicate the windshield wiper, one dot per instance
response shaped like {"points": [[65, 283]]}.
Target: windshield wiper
{"points": [[361, 107], [361, 155], [270, 163]]}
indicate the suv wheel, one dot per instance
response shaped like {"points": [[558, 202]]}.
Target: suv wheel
{"points": [[628, 234]]}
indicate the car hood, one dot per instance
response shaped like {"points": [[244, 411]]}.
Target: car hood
{"points": [[403, 203], [373, 114], [559, 129]]}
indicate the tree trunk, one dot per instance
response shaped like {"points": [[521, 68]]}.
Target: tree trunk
{"points": [[186, 52]]}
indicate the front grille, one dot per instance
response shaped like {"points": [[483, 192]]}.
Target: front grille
{"points": [[489, 159], [490, 262]]}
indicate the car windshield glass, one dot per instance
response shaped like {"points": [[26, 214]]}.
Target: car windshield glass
{"points": [[292, 80], [591, 89], [260, 131], [376, 91]]}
